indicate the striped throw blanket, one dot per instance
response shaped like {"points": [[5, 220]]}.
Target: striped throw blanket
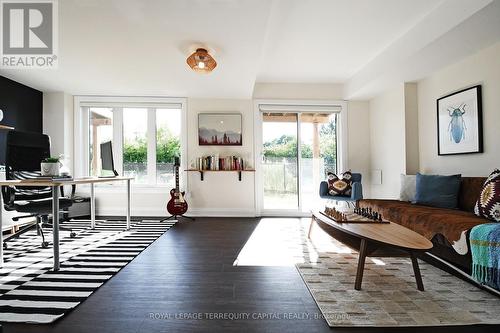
{"points": [[485, 248]]}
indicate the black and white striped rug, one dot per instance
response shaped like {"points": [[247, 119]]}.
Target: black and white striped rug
{"points": [[30, 292]]}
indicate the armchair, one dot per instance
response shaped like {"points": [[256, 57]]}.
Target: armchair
{"points": [[356, 193]]}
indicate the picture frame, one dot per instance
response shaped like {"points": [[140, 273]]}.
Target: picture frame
{"points": [[220, 129], [459, 122]]}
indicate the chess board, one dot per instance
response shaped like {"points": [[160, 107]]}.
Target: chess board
{"points": [[355, 218]]}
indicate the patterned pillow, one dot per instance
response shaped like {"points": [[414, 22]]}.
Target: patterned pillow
{"points": [[488, 204], [338, 186], [347, 176]]}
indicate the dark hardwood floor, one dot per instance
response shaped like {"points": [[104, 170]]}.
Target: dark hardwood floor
{"points": [[190, 270]]}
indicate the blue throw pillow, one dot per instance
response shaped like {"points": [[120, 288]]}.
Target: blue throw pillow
{"points": [[438, 191]]}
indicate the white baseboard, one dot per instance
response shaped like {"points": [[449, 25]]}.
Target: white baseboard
{"points": [[222, 212], [121, 211], [209, 212]]}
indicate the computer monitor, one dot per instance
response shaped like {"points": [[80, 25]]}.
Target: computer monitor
{"points": [[107, 164]]}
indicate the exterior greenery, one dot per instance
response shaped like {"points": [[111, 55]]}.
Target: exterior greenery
{"points": [[328, 142], [167, 147], [286, 145], [280, 165]]}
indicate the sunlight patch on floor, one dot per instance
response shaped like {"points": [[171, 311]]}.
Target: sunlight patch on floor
{"points": [[284, 242], [377, 261]]}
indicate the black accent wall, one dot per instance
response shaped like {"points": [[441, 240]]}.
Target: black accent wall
{"points": [[22, 108]]}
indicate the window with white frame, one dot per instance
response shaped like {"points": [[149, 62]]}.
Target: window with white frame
{"points": [[146, 137]]}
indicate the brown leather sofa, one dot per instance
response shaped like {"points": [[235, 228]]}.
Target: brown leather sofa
{"points": [[448, 229]]}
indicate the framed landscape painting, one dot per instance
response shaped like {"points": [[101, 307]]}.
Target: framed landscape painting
{"points": [[460, 128], [219, 129]]}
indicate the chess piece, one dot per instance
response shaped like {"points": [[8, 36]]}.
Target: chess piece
{"points": [[335, 214]]}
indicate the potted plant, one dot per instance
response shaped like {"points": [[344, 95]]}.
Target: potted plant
{"points": [[50, 166]]}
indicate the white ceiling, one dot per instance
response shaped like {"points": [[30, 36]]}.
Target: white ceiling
{"points": [[332, 39], [134, 47]]}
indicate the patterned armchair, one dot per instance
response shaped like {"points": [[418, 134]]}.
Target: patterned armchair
{"points": [[356, 193]]}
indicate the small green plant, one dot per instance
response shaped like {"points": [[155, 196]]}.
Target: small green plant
{"points": [[51, 160]]}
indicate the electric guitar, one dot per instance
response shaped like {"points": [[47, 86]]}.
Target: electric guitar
{"points": [[177, 205]]}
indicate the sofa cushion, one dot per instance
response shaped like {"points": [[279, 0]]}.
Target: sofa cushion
{"points": [[437, 191], [427, 221], [488, 203], [408, 188]]}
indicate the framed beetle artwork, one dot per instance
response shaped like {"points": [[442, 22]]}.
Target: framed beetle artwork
{"points": [[460, 126]]}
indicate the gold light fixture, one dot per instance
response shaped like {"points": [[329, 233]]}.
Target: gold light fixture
{"points": [[201, 61]]}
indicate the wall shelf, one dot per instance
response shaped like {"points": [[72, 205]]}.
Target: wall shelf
{"points": [[203, 171]]}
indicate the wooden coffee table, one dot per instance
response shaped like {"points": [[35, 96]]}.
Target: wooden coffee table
{"points": [[375, 238]]}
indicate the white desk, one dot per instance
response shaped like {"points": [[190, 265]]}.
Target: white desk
{"points": [[55, 204]]}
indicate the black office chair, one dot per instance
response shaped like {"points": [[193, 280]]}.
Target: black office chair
{"points": [[24, 152]]}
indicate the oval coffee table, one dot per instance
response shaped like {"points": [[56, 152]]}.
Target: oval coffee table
{"points": [[370, 236]]}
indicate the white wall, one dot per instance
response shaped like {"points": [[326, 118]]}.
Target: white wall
{"points": [[53, 120], [221, 193], [394, 132], [403, 127], [387, 141], [412, 163], [359, 144], [481, 68], [58, 124]]}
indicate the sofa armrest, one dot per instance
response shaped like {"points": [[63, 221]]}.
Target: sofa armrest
{"points": [[357, 191], [323, 189]]}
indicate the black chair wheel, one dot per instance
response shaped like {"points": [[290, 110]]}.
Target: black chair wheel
{"points": [[72, 234], [45, 245], [5, 246]]}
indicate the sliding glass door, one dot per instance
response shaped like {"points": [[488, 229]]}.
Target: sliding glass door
{"points": [[298, 150], [279, 163], [318, 155]]}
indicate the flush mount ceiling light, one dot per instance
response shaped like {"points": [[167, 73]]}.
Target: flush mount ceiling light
{"points": [[201, 61]]}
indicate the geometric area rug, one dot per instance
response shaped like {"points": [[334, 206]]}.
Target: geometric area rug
{"points": [[30, 292], [389, 296]]}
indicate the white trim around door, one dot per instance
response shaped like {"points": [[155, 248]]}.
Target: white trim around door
{"points": [[294, 106]]}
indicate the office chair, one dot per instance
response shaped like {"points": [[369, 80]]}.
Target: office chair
{"points": [[24, 152]]}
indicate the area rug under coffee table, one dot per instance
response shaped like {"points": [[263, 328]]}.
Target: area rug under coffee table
{"points": [[388, 297], [31, 292]]}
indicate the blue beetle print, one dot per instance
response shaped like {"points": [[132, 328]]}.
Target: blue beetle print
{"points": [[457, 127]]}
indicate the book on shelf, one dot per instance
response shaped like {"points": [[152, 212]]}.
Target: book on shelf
{"points": [[218, 163]]}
